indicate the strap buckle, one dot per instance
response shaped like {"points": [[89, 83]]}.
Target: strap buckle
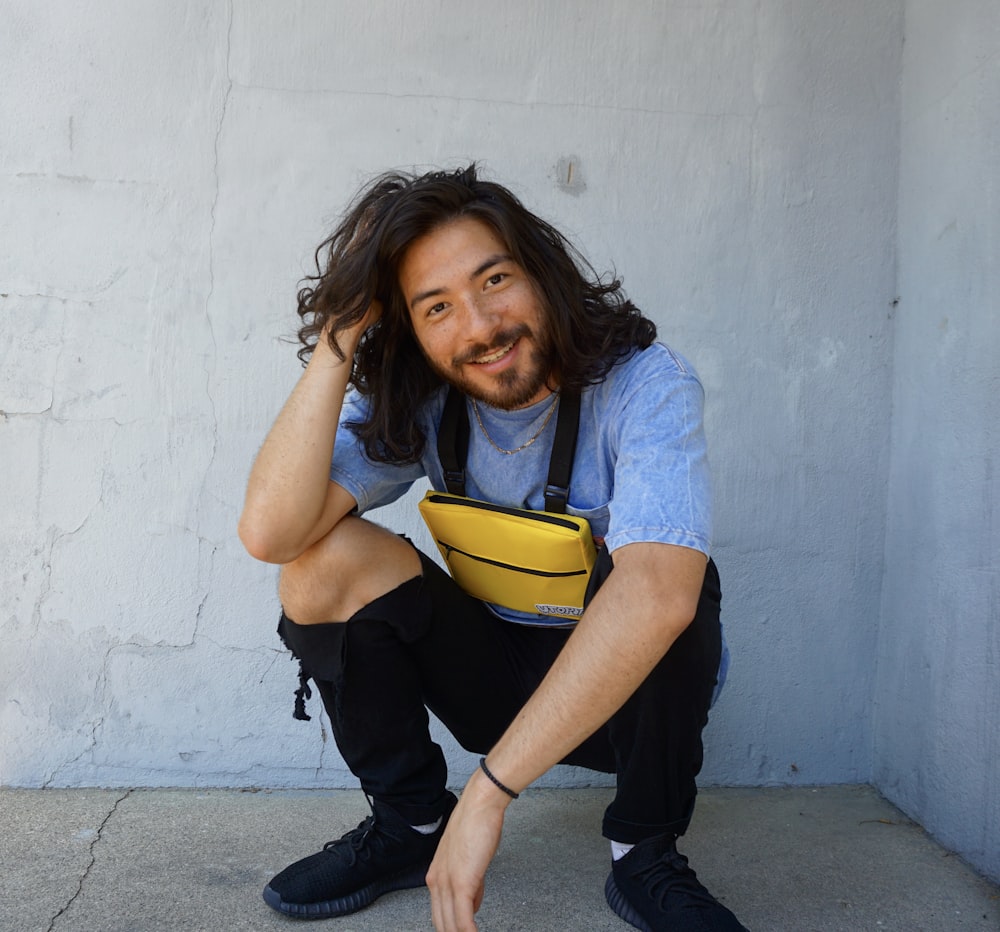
{"points": [[454, 481], [556, 497]]}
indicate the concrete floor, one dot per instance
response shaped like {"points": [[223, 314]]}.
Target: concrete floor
{"points": [[830, 859]]}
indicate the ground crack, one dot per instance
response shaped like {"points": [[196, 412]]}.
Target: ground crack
{"points": [[90, 863]]}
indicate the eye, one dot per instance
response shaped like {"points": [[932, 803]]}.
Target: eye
{"points": [[435, 309], [496, 278]]}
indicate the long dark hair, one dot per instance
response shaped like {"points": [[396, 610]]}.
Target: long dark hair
{"points": [[592, 324]]}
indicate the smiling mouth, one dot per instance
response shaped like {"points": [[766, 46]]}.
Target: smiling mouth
{"points": [[494, 356]]}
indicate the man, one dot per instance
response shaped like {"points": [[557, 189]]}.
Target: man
{"points": [[447, 280]]}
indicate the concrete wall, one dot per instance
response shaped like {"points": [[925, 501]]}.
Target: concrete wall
{"points": [[169, 167], [938, 701]]}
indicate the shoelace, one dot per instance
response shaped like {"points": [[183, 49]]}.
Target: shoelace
{"points": [[357, 838], [671, 874]]}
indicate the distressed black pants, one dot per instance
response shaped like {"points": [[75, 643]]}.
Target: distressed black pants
{"points": [[428, 645]]}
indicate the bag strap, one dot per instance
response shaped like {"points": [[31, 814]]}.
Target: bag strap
{"points": [[453, 441], [453, 448], [563, 454]]}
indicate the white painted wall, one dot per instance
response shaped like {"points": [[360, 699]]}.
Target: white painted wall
{"points": [[171, 169], [937, 722], [167, 169]]}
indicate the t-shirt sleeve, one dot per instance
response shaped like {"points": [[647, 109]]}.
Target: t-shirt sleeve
{"points": [[662, 485], [371, 484]]}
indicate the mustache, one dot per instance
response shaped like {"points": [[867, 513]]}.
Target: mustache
{"points": [[503, 338]]}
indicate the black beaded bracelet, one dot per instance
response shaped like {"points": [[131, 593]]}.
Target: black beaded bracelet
{"points": [[495, 781]]}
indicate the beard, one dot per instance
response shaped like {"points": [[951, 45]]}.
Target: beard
{"points": [[514, 387]]}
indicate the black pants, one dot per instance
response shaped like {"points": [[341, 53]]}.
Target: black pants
{"points": [[428, 645]]}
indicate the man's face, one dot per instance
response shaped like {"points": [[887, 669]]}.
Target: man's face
{"points": [[476, 315]]}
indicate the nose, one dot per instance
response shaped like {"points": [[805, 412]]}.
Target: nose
{"points": [[482, 321]]}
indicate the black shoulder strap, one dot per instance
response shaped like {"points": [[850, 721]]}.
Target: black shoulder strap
{"points": [[453, 448], [563, 453], [453, 441]]}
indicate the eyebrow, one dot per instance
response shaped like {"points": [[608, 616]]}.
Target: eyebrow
{"points": [[484, 266]]}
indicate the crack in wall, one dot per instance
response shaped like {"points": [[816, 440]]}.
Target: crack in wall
{"points": [[87, 297], [93, 858], [83, 179], [201, 563], [54, 536], [210, 360], [46, 296], [498, 101], [932, 105], [96, 724], [45, 586], [50, 780], [277, 655], [61, 419]]}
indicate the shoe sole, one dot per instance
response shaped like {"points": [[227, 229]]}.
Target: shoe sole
{"points": [[352, 902], [622, 907]]}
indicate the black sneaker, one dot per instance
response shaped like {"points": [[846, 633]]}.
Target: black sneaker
{"points": [[653, 889], [382, 854]]}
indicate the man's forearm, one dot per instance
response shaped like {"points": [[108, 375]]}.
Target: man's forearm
{"points": [[288, 485], [645, 604]]}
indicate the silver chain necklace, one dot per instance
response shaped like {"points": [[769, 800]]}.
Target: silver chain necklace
{"points": [[527, 443]]}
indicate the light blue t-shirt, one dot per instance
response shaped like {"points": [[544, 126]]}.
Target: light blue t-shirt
{"points": [[640, 473]]}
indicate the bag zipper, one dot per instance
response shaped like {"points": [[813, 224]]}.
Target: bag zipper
{"points": [[544, 518], [507, 566]]}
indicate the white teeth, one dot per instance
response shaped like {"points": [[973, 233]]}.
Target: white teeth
{"points": [[493, 357]]}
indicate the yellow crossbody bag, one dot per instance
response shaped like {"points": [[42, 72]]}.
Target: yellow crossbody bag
{"points": [[538, 562], [531, 561]]}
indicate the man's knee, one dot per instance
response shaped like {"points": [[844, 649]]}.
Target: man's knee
{"points": [[356, 563]]}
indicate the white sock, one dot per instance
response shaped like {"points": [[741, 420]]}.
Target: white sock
{"points": [[430, 828], [619, 850]]}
